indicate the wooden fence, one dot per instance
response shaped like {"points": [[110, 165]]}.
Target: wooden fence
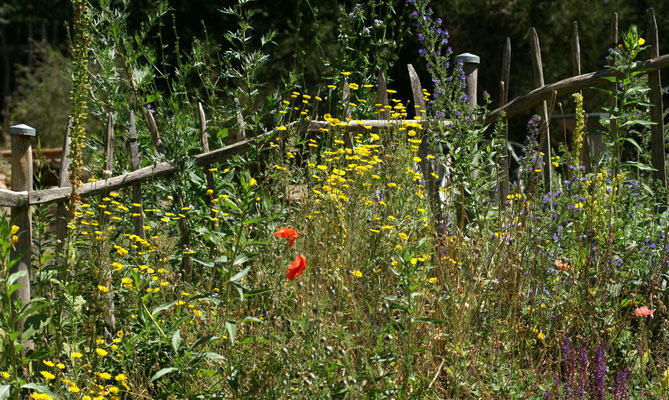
{"points": [[21, 197]]}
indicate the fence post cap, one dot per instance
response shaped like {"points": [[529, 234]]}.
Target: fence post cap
{"points": [[468, 58], [22, 129]]}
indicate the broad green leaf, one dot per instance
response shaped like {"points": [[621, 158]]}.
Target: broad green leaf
{"points": [[162, 307], [241, 259], [239, 275], [16, 276], [231, 326], [634, 143], [639, 165], [176, 340], [638, 122], [162, 373], [5, 391]]}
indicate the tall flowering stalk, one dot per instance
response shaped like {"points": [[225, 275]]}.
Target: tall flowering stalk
{"points": [[80, 88]]}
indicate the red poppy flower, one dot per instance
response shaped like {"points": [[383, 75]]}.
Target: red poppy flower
{"points": [[297, 267], [561, 265], [286, 233], [644, 311]]}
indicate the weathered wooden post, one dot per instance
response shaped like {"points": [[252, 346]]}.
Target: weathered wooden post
{"points": [[470, 67], [137, 207], [61, 208], [546, 133], [383, 97], [22, 181]]}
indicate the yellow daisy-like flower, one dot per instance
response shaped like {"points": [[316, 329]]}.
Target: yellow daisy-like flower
{"points": [[76, 354], [121, 377], [641, 41], [403, 236], [103, 289], [101, 352], [48, 375], [357, 273]]}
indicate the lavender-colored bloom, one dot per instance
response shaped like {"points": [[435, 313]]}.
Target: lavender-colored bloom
{"points": [[414, 14], [351, 16], [421, 37], [366, 31], [600, 372], [620, 392], [438, 21], [377, 22], [422, 51]]}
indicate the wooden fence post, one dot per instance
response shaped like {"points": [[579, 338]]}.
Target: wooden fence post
{"points": [[241, 133], [109, 147], [137, 206], [425, 164], [657, 148], [22, 180], [470, 66], [504, 186], [546, 136], [383, 96], [63, 181]]}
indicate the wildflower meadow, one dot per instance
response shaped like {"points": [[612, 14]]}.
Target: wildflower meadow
{"points": [[236, 238]]}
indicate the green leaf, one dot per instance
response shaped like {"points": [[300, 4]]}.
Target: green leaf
{"points": [[16, 276], [430, 320], [639, 165], [213, 356], [241, 259], [610, 78], [638, 122], [203, 340], [13, 288], [239, 275], [162, 373], [162, 307], [5, 391], [231, 326], [634, 143], [176, 340], [256, 292]]}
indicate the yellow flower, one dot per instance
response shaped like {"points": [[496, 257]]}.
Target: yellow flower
{"points": [[76, 354], [252, 182], [541, 336], [5, 374], [433, 280], [60, 366], [101, 352], [105, 375], [48, 375], [281, 128], [73, 389], [117, 266], [14, 230], [403, 236], [121, 377], [357, 273], [103, 289], [48, 363], [641, 41]]}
